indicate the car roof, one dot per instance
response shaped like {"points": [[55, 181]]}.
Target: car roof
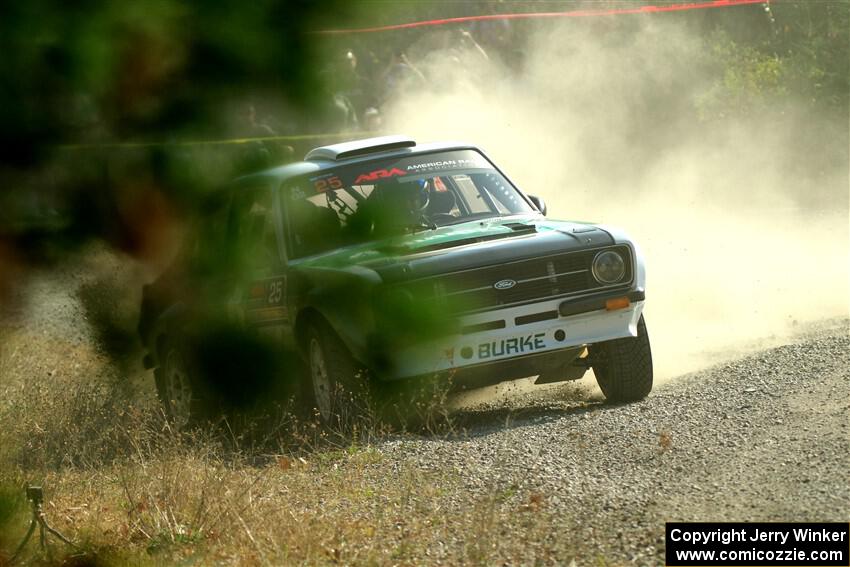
{"points": [[345, 153]]}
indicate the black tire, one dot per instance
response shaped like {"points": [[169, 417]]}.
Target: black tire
{"points": [[337, 385], [178, 388], [623, 367]]}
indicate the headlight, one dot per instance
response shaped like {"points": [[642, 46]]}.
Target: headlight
{"points": [[608, 267]]}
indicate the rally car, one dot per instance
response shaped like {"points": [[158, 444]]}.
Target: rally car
{"points": [[384, 261]]}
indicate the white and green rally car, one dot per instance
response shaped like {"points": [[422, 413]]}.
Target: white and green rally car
{"points": [[408, 261]]}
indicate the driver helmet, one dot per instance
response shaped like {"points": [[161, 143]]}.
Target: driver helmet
{"points": [[412, 198], [401, 203], [420, 197]]}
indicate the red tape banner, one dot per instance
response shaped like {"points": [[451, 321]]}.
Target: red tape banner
{"points": [[572, 14]]}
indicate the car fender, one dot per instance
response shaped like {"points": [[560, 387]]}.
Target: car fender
{"points": [[343, 297]]}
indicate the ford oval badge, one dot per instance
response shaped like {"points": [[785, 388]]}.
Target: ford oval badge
{"points": [[504, 284]]}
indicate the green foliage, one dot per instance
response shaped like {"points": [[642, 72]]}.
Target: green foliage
{"points": [[747, 79], [801, 62]]}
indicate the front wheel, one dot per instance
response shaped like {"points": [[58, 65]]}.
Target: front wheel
{"points": [[338, 383], [623, 367]]}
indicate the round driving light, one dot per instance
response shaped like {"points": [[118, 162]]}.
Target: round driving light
{"points": [[608, 267]]}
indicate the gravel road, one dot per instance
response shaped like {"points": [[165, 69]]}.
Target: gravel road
{"points": [[764, 438]]}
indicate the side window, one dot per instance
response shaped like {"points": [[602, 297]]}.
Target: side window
{"points": [[253, 229], [208, 235], [315, 223], [212, 229]]}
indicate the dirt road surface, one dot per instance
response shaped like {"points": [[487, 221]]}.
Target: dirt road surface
{"points": [[764, 438]]}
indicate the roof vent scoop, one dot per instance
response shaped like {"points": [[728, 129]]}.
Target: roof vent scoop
{"points": [[359, 148]]}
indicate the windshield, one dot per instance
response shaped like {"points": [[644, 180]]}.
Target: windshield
{"points": [[373, 200]]}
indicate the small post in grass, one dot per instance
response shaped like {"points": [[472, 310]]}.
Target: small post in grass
{"points": [[35, 495]]}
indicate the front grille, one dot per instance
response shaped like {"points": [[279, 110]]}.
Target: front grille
{"points": [[536, 279]]}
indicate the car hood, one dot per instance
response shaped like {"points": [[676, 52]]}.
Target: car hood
{"points": [[463, 246]]}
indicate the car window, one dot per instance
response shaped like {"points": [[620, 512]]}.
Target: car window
{"points": [[253, 229], [472, 197], [505, 198], [207, 235]]}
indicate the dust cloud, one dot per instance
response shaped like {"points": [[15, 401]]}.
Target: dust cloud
{"points": [[743, 219]]}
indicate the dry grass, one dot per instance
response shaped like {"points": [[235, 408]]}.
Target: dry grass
{"points": [[131, 491], [336, 508]]}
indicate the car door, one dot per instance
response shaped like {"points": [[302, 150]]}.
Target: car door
{"points": [[261, 294]]}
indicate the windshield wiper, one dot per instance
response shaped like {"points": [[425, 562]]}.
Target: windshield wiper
{"points": [[472, 217], [423, 225]]}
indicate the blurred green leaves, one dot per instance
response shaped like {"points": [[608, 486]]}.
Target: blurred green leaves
{"points": [[100, 72], [96, 70]]}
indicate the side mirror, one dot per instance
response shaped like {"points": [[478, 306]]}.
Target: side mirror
{"points": [[539, 203]]}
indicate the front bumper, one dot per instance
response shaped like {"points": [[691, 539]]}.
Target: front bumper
{"points": [[520, 332]]}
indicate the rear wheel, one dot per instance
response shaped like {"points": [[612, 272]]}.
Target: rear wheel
{"points": [[623, 367], [177, 386]]}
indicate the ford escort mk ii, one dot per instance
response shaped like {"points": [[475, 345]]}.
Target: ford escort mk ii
{"points": [[409, 260]]}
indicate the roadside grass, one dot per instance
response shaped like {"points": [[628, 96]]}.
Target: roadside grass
{"points": [[130, 491]]}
